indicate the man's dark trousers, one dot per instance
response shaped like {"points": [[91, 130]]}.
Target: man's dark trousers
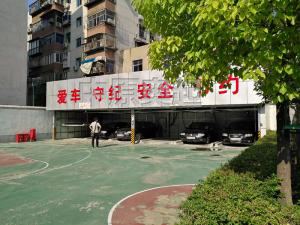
{"points": [[95, 136]]}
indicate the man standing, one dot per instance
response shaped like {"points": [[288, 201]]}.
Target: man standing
{"points": [[95, 128]]}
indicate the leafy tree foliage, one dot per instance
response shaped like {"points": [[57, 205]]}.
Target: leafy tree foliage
{"points": [[202, 38]]}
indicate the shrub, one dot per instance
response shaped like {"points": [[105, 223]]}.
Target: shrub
{"points": [[230, 198], [233, 195], [259, 159]]}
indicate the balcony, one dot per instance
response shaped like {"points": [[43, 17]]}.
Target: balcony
{"points": [[106, 42], [40, 5], [34, 63], [45, 24], [89, 3]]}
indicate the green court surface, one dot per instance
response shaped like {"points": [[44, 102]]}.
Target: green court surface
{"points": [[70, 183]]}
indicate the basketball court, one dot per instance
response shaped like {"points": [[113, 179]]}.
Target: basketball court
{"points": [[68, 182]]}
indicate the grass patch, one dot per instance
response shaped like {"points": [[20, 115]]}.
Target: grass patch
{"points": [[244, 191]]}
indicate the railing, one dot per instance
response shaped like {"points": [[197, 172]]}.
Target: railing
{"points": [[34, 51], [89, 2], [44, 24], [34, 63], [107, 42], [39, 4]]}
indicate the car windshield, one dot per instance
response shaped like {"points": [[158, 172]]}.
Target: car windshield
{"points": [[241, 125], [204, 126]]}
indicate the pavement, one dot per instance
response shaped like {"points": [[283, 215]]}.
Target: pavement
{"points": [[67, 182]]}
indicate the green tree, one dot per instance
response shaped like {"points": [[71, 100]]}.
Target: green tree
{"points": [[202, 38]]}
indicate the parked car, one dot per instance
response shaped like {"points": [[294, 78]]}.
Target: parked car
{"points": [[142, 130], [239, 132], [108, 130], [198, 132]]}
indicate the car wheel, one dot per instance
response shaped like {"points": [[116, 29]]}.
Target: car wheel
{"points": [[137, 138], [184, 142], [111, 136], [207, 140]]}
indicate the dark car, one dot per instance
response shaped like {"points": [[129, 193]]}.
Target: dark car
{"points": [[142, 130], [239, 132], [198, 132], [108, 130]]}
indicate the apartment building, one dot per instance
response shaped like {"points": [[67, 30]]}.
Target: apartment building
{"points": [[46, 48], [72, 36], [13, 58]]}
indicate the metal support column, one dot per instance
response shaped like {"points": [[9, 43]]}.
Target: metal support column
{"points": [[132, 126], [53, 127]]}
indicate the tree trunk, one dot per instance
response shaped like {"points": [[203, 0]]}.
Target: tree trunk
{"points": [[283, 154]]}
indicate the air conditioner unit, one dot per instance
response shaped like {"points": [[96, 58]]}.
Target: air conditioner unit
{"points": [[109, 20], [66, 45]]}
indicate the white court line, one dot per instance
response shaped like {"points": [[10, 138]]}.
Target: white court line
{"points": [[68, 165], [109, 219], [71, 164], [42, 170], [26, 174]]}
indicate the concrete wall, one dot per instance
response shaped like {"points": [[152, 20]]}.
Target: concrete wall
{"points": [[76, 32], [66, 124], [135, 54], [127, 27], [13, 53], [18, 119]]}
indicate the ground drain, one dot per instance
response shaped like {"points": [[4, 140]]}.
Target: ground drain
{"points": [[145, 157], [215, 155]]}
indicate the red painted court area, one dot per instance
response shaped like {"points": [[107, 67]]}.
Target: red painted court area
{"points": [[11, 160], [159, 206]]}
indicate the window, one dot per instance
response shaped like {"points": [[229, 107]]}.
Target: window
{"points": [[137, 65], [78, 42], [59, 38], [101, 17], [34, 47], [109, 66], [142, 33], [59, 21], [52, 38], [68, 37], [77, 63], [56, 57], [78, 3], [79, 22]]}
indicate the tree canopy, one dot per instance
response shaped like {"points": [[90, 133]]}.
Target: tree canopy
{"points": [[203, 38]]}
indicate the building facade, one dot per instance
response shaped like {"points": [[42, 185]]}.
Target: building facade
{"points": [[13, 57], [68, 34]]}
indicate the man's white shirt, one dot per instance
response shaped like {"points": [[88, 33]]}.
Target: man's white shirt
{"points": [[95, 127]]}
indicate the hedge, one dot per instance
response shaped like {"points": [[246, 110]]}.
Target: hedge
{"points": [[244, 191]]}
